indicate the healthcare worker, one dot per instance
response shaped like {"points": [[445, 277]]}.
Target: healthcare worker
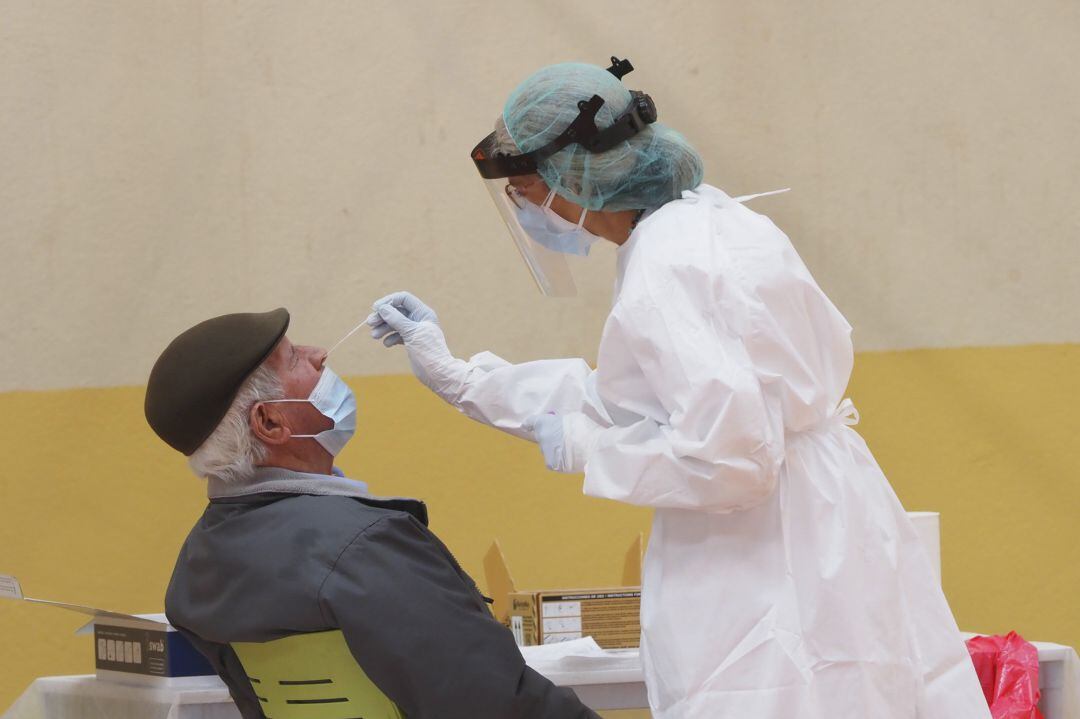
{"points": [[783, 578]]}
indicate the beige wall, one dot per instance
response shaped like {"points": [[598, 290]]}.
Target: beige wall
{"points": [[164, 162]]}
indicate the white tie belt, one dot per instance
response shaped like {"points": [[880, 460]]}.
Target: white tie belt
{"points": [[844, 414]]}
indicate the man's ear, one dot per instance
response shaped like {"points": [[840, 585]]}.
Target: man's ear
{"points": [[268, 423]]}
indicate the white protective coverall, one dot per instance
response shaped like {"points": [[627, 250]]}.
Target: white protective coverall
{"points": [[783, 578]]}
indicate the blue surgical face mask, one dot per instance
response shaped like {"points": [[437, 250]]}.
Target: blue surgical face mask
{"points": [[335, 401], [545, 226]]}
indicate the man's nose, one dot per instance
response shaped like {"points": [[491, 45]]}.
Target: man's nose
{"points": [[318, 357]]}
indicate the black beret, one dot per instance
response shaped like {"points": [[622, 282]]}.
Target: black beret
{"points": [[196, 378]]}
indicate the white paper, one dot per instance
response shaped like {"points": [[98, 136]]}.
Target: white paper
{"points": [[584, 647], [82, 609], [560, 609], [582, 661], [556, 625], [9, 587], [158, 618]]}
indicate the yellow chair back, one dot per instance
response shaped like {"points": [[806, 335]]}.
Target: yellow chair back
{"points": [[312, 676]]}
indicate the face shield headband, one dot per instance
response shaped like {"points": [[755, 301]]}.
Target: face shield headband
{"points": [[583, 131]]}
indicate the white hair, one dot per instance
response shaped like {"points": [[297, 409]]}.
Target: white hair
{"points": [[231, 452]]}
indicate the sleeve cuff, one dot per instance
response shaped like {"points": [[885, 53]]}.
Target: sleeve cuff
{"points": [[580, 435]]}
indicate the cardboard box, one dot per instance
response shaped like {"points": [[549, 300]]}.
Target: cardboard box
{"points": [[130, 648], [611, 616]]}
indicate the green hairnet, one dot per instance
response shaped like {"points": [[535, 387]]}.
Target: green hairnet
{"points": [[650, 169]]}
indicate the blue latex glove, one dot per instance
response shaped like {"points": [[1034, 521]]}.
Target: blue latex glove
{"points": [[547, 430]]}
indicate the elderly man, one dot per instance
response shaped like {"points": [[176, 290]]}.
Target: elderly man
{"points": [[286, 547]]}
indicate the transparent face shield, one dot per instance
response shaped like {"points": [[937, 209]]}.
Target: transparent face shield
{"points": [[519, 201], [520, 193]]}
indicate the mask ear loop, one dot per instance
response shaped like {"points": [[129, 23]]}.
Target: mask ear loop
{"points": [[308, 399], [548, 199], [292, 436], [584, 210]]}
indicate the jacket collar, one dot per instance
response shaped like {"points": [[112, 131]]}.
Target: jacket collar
{"points": [[279, 481]]}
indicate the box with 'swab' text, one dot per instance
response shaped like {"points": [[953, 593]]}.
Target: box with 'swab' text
{"points": [[129, 648], [144, 649]]}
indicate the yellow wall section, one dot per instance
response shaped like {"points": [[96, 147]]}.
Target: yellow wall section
{"points": [[988, 437], [95, 506]]}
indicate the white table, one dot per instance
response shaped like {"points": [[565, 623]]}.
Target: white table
{"points": [[620, 685], [85, 697], [611, 683]]}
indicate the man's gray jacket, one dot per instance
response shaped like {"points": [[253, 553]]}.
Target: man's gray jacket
{"points": [[291, 553]]}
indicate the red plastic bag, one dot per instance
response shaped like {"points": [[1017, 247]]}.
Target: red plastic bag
{"points": [[1008, 669]]}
